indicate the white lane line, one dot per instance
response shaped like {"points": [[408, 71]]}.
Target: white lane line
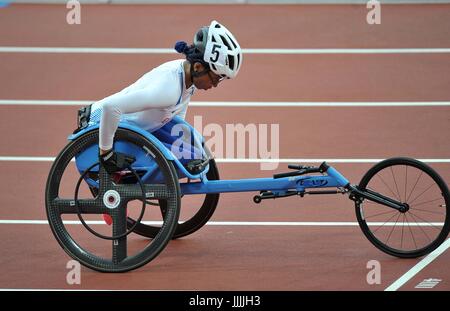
{"points": [[104, 50], [418, 267], [20, 102], [330, 160], [27, 159], [84, 290], [321, 104], [239, 160], [26, 102], [228, 223], [83, 50], [348, 51]]}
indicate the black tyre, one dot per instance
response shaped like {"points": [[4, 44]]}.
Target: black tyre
{"points": [[59, 204], [419, 230], [192, 217]]}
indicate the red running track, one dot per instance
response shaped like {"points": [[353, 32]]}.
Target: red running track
{"points": [[232, 257]]}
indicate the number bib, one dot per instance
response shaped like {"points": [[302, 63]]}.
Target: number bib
{"points": [[216, 53]]}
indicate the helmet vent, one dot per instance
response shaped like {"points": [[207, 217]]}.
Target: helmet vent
{"points": [[231, 61], [232, 42], [226, 42]]}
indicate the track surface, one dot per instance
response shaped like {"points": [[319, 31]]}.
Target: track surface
{"points": [[226, 257]]}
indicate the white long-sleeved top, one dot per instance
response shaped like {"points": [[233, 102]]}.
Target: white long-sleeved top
{"points": [[149, 103]]}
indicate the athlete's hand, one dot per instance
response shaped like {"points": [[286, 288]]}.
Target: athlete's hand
{"points": [[115, 161]]}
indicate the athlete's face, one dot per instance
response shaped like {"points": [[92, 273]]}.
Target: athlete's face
{"points": [[207, 80]]}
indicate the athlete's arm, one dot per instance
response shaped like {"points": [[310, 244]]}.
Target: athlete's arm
{"points": [[158, 95]]}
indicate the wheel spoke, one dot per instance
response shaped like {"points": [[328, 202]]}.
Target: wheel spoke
{"points": [[383, 213], [421, 203], [409, 227], [403, 227], [422, 193], [105, 182], [388, 187], [406, 179], [418, 225], [119, 227], [414, 187], [393, 227], [87, 206], [423, 210], [395, 182], [430, 224], [130, 192], [384, 223], [160, 192]]}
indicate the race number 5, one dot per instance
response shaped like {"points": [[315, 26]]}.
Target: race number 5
{"points": [[215, 53]]}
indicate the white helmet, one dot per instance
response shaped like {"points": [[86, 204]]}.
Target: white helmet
{"points": [[221, 49]]}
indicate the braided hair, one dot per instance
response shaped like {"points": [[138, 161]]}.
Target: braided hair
{"points": [[195, 52]]}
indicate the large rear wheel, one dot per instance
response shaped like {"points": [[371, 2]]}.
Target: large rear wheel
{"points": [[110, 248]]}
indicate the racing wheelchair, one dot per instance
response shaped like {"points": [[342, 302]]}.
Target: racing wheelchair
{"points": [[401, 204]]}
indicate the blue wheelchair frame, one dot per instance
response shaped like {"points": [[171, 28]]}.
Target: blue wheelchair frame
{"points": [[280, 185], [204, 186]]}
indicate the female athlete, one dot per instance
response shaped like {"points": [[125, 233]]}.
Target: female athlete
{"points": [[154, 100]]}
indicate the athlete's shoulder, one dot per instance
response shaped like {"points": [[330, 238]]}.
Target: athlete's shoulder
{"points": [[171, 70], [175, 64], [171, 67]]}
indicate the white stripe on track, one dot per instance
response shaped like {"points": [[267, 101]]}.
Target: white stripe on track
{"points": [[418, 267], [229, 223], [104, 50], [349, 51], [218, 160], [321, 104], [84, 290], [20, 102], [27, 159], [27, 102], [330, 160]]}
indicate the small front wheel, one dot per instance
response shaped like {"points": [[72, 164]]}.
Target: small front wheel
{"points": [[426, 222]]}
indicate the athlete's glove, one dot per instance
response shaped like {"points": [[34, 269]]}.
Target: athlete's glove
{"points": [[115, 161]]}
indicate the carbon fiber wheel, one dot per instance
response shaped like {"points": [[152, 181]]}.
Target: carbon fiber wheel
{"points": [[195, 213], [423, 226], [119, 258]]}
